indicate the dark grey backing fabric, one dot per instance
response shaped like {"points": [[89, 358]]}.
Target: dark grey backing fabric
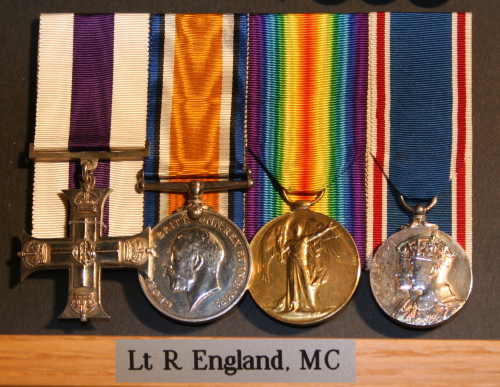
{"points": [[32, 307]]}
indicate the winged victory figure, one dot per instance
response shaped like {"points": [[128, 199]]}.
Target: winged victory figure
{"points": [[304, 245]]}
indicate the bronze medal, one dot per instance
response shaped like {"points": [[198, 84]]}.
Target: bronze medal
{"points": [[305, 266]]}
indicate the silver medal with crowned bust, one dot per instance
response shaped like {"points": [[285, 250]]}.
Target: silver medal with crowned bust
{"points": [[421, 276], [201, 264]]}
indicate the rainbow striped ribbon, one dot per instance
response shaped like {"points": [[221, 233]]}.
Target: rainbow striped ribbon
{"points": [[306, 115], [306, 80], [419, 122], [196, 99], [92, 89]]}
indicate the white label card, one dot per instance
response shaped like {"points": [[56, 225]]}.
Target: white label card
{"points": [[235, 360]]}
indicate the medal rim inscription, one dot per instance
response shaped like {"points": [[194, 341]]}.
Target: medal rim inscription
{"points": [[255, 246], [386, 260], [166, 305]]}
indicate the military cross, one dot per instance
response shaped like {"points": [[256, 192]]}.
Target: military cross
{"points": [[84, 253]]}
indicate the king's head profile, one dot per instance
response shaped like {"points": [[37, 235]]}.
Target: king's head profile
{"points": [[425, 261], [194, 264]]}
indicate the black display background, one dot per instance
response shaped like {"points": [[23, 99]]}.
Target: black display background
{"points": [[32, 307]]}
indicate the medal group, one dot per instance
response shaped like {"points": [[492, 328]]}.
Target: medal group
{"points": [[164, 142]]}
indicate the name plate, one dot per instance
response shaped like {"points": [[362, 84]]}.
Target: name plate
{"points": [[235, 360]]}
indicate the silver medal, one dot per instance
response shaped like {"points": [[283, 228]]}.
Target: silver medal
{"points": [[201, 262], [421, 276]]}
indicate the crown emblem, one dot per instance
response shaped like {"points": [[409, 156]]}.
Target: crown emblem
{"points": [[135, 251], [35, 253], [86, 201], [83, 302], [426, 248]]}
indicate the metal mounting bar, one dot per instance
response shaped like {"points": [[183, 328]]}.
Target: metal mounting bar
{"points": [[203, 186], [128, 154]]}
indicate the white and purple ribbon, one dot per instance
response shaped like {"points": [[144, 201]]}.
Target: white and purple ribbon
{"points": [[92, 96]]}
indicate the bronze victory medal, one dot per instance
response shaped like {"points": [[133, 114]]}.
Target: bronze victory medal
{"points": [[200, 269], [305, 267]]}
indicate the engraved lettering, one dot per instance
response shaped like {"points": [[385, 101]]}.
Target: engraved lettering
{"points": [[234, 240], [238, 282], [157, 294], [147, 366], [242, 271], [309, 362], [170, 226], [229, 368], [241, 256], [171, 360], [277, 361], [233, 292], [132, 366], [226, 230], [327, 359], [198, 358], [233, 363], [167, 304]]}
